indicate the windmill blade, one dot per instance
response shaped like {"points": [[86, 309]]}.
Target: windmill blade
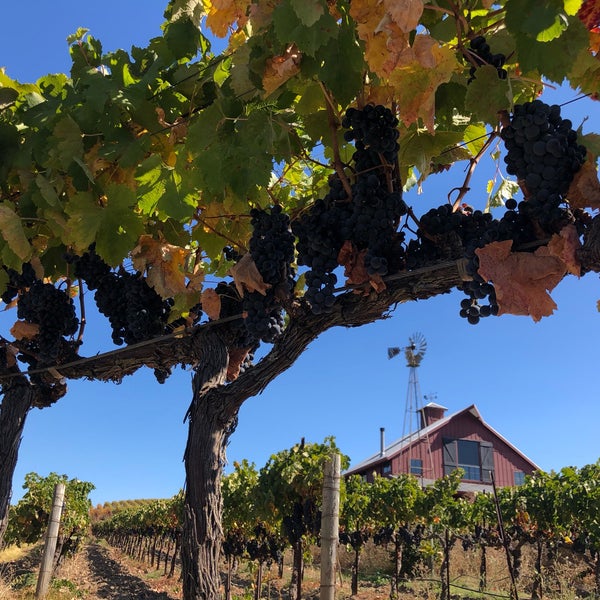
{"points": [[394, 351]]}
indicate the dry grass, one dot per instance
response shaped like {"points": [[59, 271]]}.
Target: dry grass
{"points": [[568, 578]]}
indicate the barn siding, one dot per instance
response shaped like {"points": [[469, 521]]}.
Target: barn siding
{"points": [[463, 426]]}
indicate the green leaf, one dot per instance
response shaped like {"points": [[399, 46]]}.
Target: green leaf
{"points": [[419, 148], [69, 142], [77, 36], [183, 38], [555, 59], [538, 20], [114, 226], [591, 141], [507, 189], [487, 94], [308, 11], [475, 137], [344, 83], [47, 190], [12, 231], [290, 29], [7, 96], [572, 7]]}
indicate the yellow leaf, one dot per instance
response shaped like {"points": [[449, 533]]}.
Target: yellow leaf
{"points": [[416, 84], [223, 14]]}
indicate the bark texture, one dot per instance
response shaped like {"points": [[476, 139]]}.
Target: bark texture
{"points": [[16, 401], [210, 424]]}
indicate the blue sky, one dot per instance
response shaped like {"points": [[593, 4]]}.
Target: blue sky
{"points": [[535, 383]]}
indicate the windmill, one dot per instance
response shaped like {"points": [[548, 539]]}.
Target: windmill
{"points": [[419, 449]]}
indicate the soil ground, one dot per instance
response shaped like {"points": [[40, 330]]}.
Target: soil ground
{"points": [[100, 572]]}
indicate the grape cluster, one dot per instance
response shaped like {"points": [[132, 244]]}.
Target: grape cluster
{"points": [[481, 54], [53, 311], [272, 249], [135, 311], [368, 219], [542, 151], [17, 281]]}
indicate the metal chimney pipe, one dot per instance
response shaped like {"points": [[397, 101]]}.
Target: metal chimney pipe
{"points": [[382, 441]]}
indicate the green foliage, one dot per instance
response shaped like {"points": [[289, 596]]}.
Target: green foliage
{"points": [[28, 520]]}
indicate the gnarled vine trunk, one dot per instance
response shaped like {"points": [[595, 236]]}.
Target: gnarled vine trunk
{"points": [[211, 421], [16, 401]]}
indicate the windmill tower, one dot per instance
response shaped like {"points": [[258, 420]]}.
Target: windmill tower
{"points": [[419, 449]]}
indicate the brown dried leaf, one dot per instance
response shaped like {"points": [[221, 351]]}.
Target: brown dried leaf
{"points": [[564, 245], [11, 356], [584, 191], [405, 13], [23, 330], [166, 266], [246, 276], [522, 279], [211, 303], [236, 360], [354, 268], [279, 69]]}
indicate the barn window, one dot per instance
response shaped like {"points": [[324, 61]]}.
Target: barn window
{"points": [[386, 469], [475, 458], [519, 478], [416, 466]]}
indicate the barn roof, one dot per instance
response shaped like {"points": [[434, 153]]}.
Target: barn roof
{"points": [[396, 447]]}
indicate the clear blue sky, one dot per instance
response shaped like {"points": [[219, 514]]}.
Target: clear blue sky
{"points": [[535, 383]]}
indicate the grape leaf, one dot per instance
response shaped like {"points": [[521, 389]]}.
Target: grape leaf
{"points": [[279, 69], [309, 11], [223, 14], [7, 96], [237, 356], [12, 231], [211, 303], [415, 85], [522, 279], [23, 330], [165, 265], [487, 94], [355, 271], [405, 13], [290, 29], [584, 191], [69, 141], [246, 276], [555, 59], [419, 148], [565, 245], [191, 9], [542, 20]]}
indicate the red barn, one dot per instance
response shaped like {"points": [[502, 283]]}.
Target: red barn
{"points": [[444, 443]]}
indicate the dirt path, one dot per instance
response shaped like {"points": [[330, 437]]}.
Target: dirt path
{"points": [[101, 573], [110, 580]]}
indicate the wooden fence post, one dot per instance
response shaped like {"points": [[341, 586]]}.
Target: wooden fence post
{"points": [[330, 526], [50, 546]]}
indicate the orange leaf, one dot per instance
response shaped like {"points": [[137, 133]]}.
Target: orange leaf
{"points": [[564, 245], [247, 276], [237, 356], [522, 280], [584, 191], [166, 266], [23, 330], [211, 303]]}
